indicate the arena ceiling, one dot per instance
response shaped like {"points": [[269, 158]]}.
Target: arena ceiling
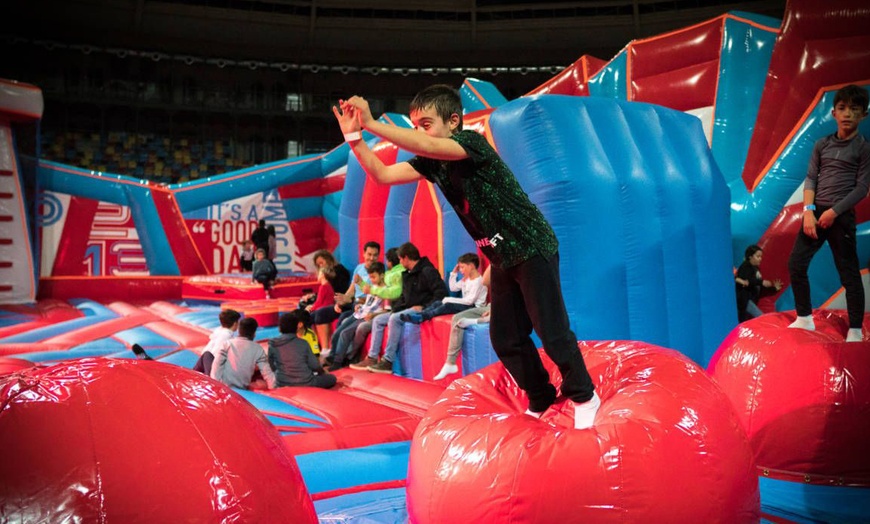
{"points": [[410, 33]]}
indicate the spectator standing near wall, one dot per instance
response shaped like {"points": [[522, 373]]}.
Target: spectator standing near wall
{"points": [[272, 241], [260, 237]]}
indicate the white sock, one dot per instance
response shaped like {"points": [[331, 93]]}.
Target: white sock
{"points": [[534, 414], [855, 335], [804, 323], [584, 414], [447, 369]]}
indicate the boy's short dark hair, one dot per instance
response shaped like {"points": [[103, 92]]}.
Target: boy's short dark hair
{"points": [[409, 250], [304, 316], [443, 98], [470, 258], [289, 321], [852, 94], [376, 267], [260, 250], [372, 244], [228, 317], [248, 328], [392, 256]]}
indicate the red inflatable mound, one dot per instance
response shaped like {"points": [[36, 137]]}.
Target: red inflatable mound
{"points": [[9, 365], [666, 447], [803, 396], [104, 440]]}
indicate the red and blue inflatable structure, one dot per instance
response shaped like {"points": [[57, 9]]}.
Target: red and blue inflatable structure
{"points": [[655, 168]]}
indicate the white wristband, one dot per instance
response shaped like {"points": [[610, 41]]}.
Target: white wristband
{"points": [[352, 137]]}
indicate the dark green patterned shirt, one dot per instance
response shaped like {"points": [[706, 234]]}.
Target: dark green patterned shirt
{"points": [[495, 210]]}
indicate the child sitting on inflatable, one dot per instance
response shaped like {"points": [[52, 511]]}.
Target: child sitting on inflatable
{"points": [[264, 271], [470, 284], [237, 360], [365, 312], [290, 355]]}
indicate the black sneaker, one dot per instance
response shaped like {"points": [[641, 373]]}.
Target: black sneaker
{"points": [[383, 366], [140, 353]]}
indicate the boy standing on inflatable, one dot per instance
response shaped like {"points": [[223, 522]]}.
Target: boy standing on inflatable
{"points": [[837, 179], [526, 292]]}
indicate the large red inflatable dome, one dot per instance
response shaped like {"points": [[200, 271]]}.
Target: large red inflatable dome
{"points": [[103, 440], [803, 396], [666, 446]]}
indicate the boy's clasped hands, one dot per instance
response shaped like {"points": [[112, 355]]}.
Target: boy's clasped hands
{"points": [[352, 114]]}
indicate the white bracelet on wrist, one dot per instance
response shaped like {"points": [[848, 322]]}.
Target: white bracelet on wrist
{"points": [[352, 137]]}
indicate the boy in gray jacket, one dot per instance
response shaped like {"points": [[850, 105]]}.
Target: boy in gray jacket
{"points": [[291, 357]]}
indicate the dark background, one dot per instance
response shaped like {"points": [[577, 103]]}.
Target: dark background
{"points": [[259, 76]]}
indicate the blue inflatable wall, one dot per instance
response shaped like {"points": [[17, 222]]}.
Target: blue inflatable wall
{"points": [[642, 215]]}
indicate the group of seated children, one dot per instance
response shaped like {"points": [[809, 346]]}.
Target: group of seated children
{"points": [[408, 289], [386, 286], [363, 312], [422, 296], [409, 283], [338, 278], [291, 358]]}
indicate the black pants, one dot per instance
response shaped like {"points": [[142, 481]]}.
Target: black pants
{"points": [[844, 246], [265, 280], [529, 296], [325, 381]]}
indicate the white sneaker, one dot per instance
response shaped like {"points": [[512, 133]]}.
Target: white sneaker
{"points": [[854, 335], [466, 322], [584, 414], [804, 323], [447, 369]]}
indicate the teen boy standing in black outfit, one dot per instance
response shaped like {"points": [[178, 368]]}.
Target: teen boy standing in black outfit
{"points": [[526, 291], [837, 179]]}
